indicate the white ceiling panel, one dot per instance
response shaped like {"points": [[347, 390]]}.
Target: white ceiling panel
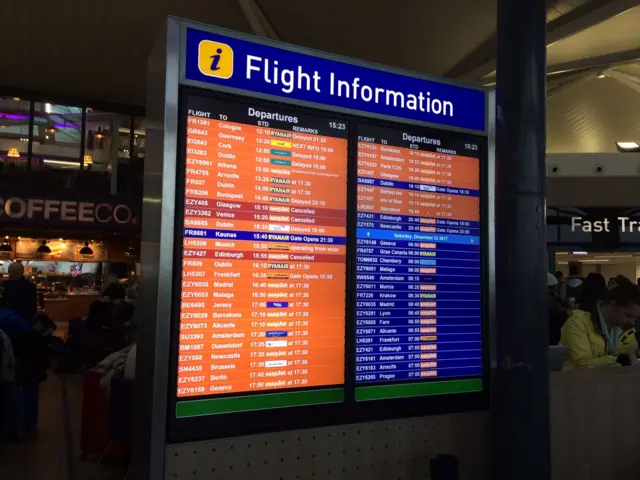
{"points": [[592, 116]]}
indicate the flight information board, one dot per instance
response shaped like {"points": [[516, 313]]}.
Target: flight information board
{"points": [[418, 295], [263, 260]]}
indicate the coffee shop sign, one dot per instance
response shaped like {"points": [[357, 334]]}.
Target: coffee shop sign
{"points": [[625, 224], [16, 208]]}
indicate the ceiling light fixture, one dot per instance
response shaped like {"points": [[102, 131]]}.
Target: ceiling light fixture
{"points": [[44, 248], [99, 135], [86, 250], [6, 247], [581, 253], [628, 146], [601, 75]]}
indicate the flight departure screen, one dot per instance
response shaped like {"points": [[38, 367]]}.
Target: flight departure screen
{"points": [[264, 251], [418, 298]]}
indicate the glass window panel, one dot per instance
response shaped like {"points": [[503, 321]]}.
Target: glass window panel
{"points": [[131, 170], [14, 136], [108, 139], [139, 141], [56, 136], [55, 160], [107, 145]]}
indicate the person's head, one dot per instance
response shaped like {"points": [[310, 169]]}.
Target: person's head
{"points": [[574, 270], [593, 288], [638, 281], [560, 275], [620, 306], [16, 271]]}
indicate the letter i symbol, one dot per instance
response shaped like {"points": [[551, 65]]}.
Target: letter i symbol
{"points": [[215, 60]]}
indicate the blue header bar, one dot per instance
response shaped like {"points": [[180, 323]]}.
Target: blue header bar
{"points": [[283, 71]]}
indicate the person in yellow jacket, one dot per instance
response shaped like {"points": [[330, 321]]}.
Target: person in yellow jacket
{"points": [[602, 333]]}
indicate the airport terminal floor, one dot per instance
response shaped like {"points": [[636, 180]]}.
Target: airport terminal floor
{"points": [[54, 451]]}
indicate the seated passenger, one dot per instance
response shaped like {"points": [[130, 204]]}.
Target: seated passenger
{"points": [[601, 333]]}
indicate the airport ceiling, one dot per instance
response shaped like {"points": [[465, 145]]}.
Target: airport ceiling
{"points": [[98, 50]]}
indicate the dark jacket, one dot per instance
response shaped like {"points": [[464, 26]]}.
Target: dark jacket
{"points": [[558, 312], [21, 297]]}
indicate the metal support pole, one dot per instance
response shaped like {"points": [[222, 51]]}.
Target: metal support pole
{"points": [[522, 382]]}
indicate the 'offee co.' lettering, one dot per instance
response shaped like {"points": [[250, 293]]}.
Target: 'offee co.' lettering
{"points": [[17, 208]]}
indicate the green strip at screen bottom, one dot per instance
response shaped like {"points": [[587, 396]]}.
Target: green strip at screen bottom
{"points": [[381, 392], [217, 406]]}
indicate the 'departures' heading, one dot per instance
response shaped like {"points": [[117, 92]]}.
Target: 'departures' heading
{"points": [[248, 66]]}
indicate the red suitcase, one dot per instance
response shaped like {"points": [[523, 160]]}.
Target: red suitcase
{"points": [[94, 436]]}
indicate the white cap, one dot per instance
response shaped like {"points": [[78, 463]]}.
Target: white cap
{"points": [[552, 281]]}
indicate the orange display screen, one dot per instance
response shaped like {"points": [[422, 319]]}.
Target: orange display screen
{"points": [[264, 247]]}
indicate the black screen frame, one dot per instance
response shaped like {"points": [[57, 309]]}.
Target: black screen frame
{"points": [[349, 411]]}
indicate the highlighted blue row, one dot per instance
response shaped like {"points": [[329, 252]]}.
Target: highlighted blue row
{"points": [[263, 237], [417, 237]]}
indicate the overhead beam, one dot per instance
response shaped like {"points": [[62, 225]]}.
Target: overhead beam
{"points": [[603, 62], [630, 81], [574, 80], [481, 62], [258, 20]]}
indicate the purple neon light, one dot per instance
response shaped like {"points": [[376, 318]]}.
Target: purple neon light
{"points": [[11, 116]]}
